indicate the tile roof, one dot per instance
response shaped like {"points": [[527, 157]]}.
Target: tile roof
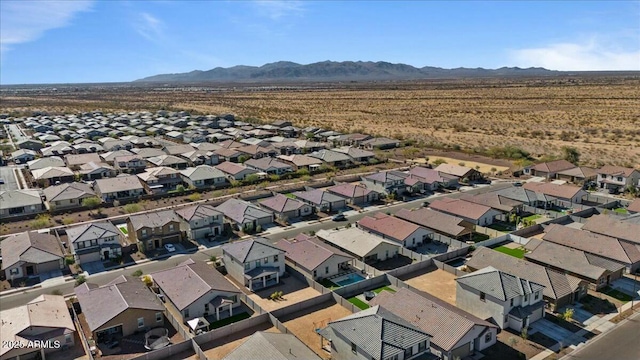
{"points": [[386, 176], [266, 163], [100, 304], [272, 346], [45, 162], [189, 281], [605, 246], [280, 203], [310, 252], [202, 172], [30, 247], [436, 220], [178, 149], [241, 211], [609, 226], [557, 285], [350, 191], [119, 183], [499, 284], [154, 173], [199, 211], [555, 190], [228, 167], [493, 200], [147, 152], [456, 170], [634, 206], [318, 196], [92, 231], [554, 166], [51, 172], [354, 152], [430, 176], [112, 155], [447, 323], [18, 198], [616, 170], [250, 249], [581, 172], [164, 160], [389, 226], [329, 156], [79, 159], [153, 219], [353, 240], [386, 335], [571, 260], [460, 208], [45, 311], [300, 160]]}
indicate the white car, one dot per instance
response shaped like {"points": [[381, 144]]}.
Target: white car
{"points": [[169, 247]]}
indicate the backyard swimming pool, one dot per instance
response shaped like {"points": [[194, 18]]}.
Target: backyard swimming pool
{"points": [[348, 279]]}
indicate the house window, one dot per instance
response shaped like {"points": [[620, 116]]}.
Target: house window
{"points": [[408, 352], [326, 269], [233, 298], [158, 317], [247, 266], [483, 296], [266, 260], [14, 271], [67, 338], [206, 307], [257, 263], [275, 258], [354, 349], [81, 245], [186, 313], [140, 323], [144, 232], [170, 227], [526, 297], [315, 273], [422, 346], [536, 296], [511, 301], [619, 178]]}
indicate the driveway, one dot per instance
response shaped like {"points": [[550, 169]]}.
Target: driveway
{"points": [[93, 267], [551, 330], [583, 316], [10, 181], [627, 286]]}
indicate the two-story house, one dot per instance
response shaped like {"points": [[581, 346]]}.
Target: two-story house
{"points": [[386, 182], [154, 230], [196, 290], [617, 178], [95, 241], [254, 263], [201, 222], [375, 333], [131, 164], [508, 300], [160, 179]]}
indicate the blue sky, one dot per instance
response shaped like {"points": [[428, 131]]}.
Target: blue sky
{"points": [[102, 41]]}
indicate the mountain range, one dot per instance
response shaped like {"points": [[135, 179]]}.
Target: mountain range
{"points": [[338, 71]]}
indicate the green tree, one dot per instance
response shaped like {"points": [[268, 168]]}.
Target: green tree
{"points": [[251, 179], [571, 154], [91, 202], [437, 162], [132, 208], [180, 188], [80, 280]]}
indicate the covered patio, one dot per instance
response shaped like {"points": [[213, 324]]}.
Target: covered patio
{"points": [[262, 277]]}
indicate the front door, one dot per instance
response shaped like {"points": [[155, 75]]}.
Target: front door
{"points": [[105, 255], [30, 270], [156, 244]]}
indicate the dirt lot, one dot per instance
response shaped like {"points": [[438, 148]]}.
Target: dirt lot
{"points": [[436, 282], [303, 323], [293, 291], [219, 348], [480, 166], [511, 346]]}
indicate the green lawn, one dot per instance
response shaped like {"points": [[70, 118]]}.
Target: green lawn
{"points": [[329, 284], [380, 289], [290, 195], [617, 294], [519, 252], [477, 237], [229, 320], [532, 217], [621, 211], [124, 230], [500, 227], [359, 303]]}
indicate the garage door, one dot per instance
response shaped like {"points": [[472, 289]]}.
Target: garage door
{"points": [[90, 257]]}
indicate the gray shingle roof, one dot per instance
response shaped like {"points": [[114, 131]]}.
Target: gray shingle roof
{"points": [[376, 331], [197, 212], [318, 196], [606, 225], [436, 220], [280, 203], [272, 346], [120, 183], [310, 252], [499, 284], [254, 248], [19, 198], [30, 247], [68, 191], [241, 211], [92, 231], [153, 219]]}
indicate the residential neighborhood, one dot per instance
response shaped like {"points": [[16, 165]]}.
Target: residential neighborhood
{"points": [[213, 238]]}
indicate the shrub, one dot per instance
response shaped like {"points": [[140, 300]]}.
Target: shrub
{"points": [[147, 280], [80, 280], [69, 260], [180, 188], [258, 228], [40, 222], [91, 202], [56, 292], [194, 197], [116, 203], [568, 314], [137, 273], [68, 221], [132, 208], [513, 341], [274, 177], [213, 258], [524, 333], [437, 162]]}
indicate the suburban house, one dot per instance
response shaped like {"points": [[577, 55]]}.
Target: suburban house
{"points": [[74, 161], [560, 289], [258, 152], [254, 263], [474, 213], [120, 308], [380, 143], [118, 188], [441, 223], [314, 258], [52, 175], [160, 179], [146, 153], [355, 194], [598, 271], [456, 333], [301, 162], [622, 252], [578, 175], [322, 201], [200, 157], [30, 144], [203, 176], [229, 154], [461, 172], [617, 178], [169, 161], [278, 346], [634, 207], [178, 149], [22, 156], [30, 254], [20, 202], [235, 171], [111, 156], [386, 182], [508, 300], [357, 155], [43, 320], [332, 158], [606, 225], [360, 244], [196, 290], [269, 166], [407, 234], [97, 241], [53, 161], [131, 164], [66, 196], [495, 201], [92, 171], [387, 336], [286, 208], [245, 215], [568, 193], [155, 229], [433, 179], [201, 222], [548, 170]]}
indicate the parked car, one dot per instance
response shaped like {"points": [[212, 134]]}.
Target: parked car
{"points": [[110, 344], [339, 217], [169, 247], [517, 183], [1, 181]]}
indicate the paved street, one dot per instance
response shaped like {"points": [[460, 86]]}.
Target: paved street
{"points": [[275, 234], [621, 343]]}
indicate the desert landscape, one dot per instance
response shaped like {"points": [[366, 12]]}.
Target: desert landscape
{"points": [[597, 114]]}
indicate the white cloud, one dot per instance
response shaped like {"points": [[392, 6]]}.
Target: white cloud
{"points": [[592, 55], [25, 21], [149, 27], [276, 9]]}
